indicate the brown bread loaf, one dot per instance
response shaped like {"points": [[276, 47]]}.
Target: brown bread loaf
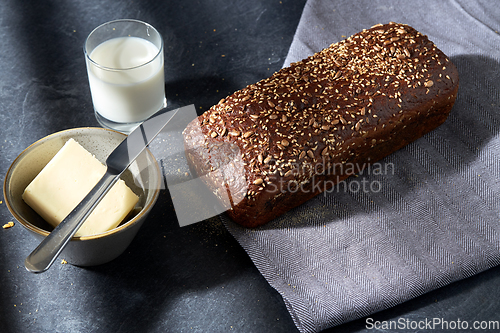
{"points": [[279, 142]]}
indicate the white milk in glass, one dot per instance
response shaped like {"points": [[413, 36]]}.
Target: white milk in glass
{"points": [[127, 85]]}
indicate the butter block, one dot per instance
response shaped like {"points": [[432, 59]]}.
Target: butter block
{"points": [[66, 180]]}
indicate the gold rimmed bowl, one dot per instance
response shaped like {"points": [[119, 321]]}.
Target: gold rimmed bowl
{"points": [[143, 177]]}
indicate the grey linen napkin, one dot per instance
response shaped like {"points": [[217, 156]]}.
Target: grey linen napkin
{"points": [[428, 215]]}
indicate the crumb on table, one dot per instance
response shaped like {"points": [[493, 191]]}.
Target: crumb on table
{"points": [[8, 225]]}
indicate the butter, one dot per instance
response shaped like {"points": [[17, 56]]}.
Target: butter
{"points": [[66, 180]]}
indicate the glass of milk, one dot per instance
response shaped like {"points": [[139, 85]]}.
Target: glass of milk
{"points": [[125, 68]]}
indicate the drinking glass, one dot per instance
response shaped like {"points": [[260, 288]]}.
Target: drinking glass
{"points": [[125, 64]]}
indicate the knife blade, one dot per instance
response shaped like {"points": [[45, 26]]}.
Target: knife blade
{"points": [[117, 162]]}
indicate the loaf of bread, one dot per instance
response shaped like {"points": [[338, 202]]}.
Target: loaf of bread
{"points": [[281, 141]]}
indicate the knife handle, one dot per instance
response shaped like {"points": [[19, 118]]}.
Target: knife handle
{"points": [[46, 253]]}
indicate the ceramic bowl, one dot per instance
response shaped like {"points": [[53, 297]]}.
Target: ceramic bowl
{"points": [[143, 177]]}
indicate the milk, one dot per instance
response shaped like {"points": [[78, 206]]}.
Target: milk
{"points": [[126, 79]]}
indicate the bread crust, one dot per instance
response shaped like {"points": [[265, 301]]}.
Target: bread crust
{"points": [[275, 144]]}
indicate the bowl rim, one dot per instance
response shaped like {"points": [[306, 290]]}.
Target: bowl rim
{"points": [[118, 229]]}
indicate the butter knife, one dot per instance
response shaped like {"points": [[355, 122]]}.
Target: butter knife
{"points": [[117, 162]]}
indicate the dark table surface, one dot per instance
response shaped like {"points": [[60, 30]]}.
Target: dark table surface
{"points": [[171, 279]]}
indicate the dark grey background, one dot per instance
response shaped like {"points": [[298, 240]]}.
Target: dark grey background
{"points": [[171, 279]]}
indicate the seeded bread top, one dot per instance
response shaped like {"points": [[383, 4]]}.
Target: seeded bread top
{"points": [[346, 95]]}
